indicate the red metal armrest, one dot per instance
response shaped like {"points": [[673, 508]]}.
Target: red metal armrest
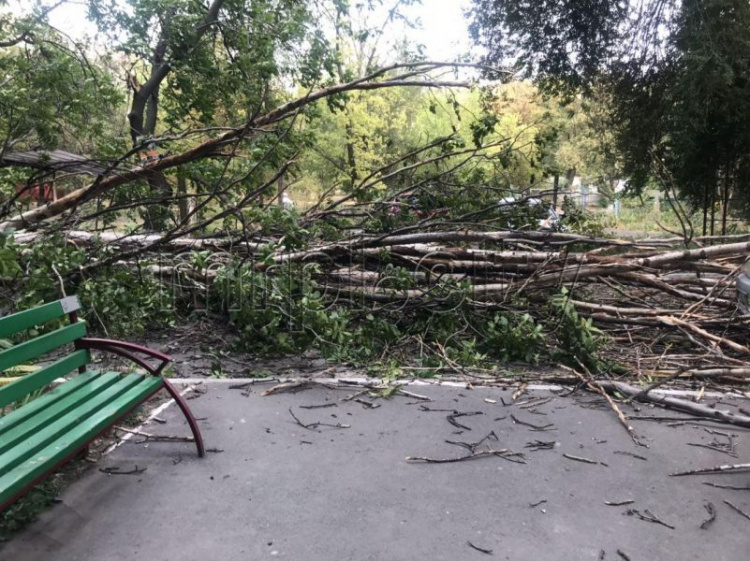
{"points": [[131, 351], [127, 350]]}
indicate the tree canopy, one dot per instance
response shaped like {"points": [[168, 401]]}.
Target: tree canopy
{"points": [[673, 72]]}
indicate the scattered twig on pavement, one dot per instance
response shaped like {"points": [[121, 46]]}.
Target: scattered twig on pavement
{"points": [[580, 459], [532, 403], [713, 447], [631, 454], [732, 487], [453, 416], [541, 445], [623, 555], [480, 549], [504, 453], [314, 426], [737, 509], [116, 471], [155, 437], [520, 391], [716, 469], [702, 411], [356, 395], [711, 510], [648, 516], [289, 387], [321, 406], [472, 446], [618, 503], [402, 391], [430, 410], [536, 504], [246, 386], [368, 404], [598, 388], [541, 428]]}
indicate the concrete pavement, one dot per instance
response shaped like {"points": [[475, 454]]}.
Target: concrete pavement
{"points": [[273, 489]]}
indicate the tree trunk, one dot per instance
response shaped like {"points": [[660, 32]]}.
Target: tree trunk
{"points": [[144, 110], [713, 208], [281, 189], [555, 190], [351, 159], [212, 146], [350, 156], [570, 177], [705, 209], [725, 202], [184, 202]]}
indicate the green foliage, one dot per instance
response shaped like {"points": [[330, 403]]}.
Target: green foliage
{"points": [[513, 337], [582, 221], [115, 300], [52, 91], [123, 303], [676, 102], [278, 221], [279, 311], [9, 267], [45, 266], [578, 339], [216, 70]]}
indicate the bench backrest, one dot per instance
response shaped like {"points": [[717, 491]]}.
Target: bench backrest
{"points": [[38, 346]]}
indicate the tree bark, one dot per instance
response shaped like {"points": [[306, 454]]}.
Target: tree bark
{"points": [[183, 204], [725, 201], [144, 110], [213, 146], [555, 190], [705, 209]]}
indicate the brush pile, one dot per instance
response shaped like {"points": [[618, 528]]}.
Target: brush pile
{"points": [[665, 311]]}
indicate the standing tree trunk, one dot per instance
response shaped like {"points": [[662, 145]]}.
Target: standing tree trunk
{"points": [[144, 110], [281, 186], [713, 208], [183, 203], [555, 190], [351, 159], [705, 208], [725, 201]]}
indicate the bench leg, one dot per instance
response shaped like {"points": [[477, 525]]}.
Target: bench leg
{"points": [[188, 415]]}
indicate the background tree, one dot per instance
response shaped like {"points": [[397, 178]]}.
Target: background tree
{"points": [[192, 64], [673, 72], [52, 95]]}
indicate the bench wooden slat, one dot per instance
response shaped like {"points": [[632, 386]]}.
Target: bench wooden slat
{"points": [[54, 411], [37, 316], [37, 380], [44, 437], [57, 450], [31, 409], [38, 346]]}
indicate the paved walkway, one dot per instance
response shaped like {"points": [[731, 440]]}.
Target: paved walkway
{"points": [[278, 490]]}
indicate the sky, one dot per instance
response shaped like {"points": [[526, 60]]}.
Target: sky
{"points": [[443, 32]]}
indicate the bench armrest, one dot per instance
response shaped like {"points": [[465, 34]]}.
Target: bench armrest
{"points": [[126, 350]]}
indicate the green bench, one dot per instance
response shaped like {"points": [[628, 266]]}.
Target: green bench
{"points": [[39, 435]]}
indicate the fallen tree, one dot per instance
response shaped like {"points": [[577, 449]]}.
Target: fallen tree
{"points": [[662, 311], [119, 173]]}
